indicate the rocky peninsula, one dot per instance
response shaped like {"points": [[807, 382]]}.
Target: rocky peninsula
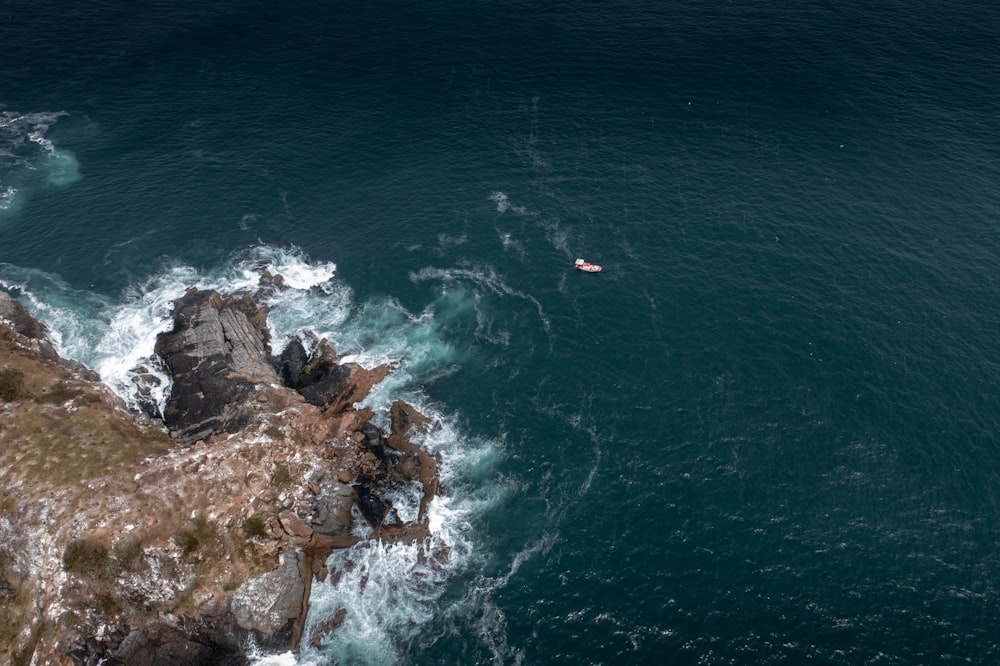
{"points": [[127, 538]]}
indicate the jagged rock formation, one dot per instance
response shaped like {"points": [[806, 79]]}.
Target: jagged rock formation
{"points": [[216, 354], [119, 542]]}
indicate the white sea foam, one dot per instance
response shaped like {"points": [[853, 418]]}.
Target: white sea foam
{"points": [[503, 204], [29, 160], [8, 198], [391, 591], [509, 244], [40, 139]]}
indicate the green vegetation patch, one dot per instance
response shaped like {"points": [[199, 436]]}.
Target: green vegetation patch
{"points": [[57, 396], [187, 541], [198, 535], [88, 558], [253, 527], [11, 384], [281, 474], [128, 551]]}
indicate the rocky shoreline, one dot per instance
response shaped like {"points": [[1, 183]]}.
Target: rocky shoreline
{"points": [[126, 539]]}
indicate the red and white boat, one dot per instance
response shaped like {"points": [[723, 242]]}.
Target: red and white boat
{"points": [[582, 265]]}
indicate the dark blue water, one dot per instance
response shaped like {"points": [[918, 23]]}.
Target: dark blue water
{"points": [[766, 433]]}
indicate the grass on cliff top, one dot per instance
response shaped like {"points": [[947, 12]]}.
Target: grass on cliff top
{"points": [[60, 431], [11, 384], [60, 446]]}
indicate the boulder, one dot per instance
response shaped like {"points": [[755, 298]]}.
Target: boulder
{"points": [[406, 417], [293, 525], [326, 626], [274, 603]]}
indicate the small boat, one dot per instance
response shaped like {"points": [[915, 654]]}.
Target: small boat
{"points": [[582, 265]]}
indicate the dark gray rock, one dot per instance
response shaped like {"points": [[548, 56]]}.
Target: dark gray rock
{"points": [[217, 353], [375, 509], [322, 377], [292, 363], [374, 439], [19, 319], [160, 644], [321, 389]]}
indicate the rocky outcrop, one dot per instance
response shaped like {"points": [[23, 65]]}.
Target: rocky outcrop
{"points": [[323, 380], [217, 355], [34, 333], [161, 644], [201, 542], [271, 604], [18, 319], [150, 550]]}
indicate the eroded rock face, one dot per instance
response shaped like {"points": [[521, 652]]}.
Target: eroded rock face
{"points": [[272, 602], [217, 354], [292, 362], [325, 382], [160, 644], [23, 323], [332, 515]]}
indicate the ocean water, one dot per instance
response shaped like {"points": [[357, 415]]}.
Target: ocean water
{"points": [[765, 434]]}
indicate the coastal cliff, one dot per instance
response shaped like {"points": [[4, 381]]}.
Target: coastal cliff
{"points": [[187, 538]]}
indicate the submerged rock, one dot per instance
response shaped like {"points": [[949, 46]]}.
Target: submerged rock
{"points": [[326, 626]]}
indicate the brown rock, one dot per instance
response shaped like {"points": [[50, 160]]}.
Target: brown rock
{"points": [[22, 322], [405, 416], [326, 626], [294, 525]]}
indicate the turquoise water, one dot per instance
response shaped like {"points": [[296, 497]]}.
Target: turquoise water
{"points": [[766, 433]]}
